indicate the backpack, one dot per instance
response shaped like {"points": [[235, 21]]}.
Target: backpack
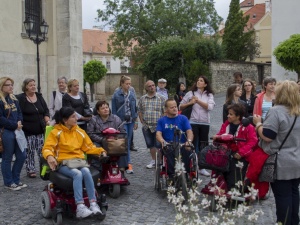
{"points": [[54, 95]]}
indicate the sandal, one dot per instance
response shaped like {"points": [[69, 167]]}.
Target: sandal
{"points": [[31, 174]]}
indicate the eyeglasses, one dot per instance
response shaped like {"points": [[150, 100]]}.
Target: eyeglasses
{"points": [[7, 85], [247, 85]]}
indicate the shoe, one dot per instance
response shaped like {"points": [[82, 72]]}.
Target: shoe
{"points": [[151, 165], [13, 158], [13, 187], [134, 149], [82, 211], [204, 173], [21, 185], [31, 174], [129, 170], [94, 207]]}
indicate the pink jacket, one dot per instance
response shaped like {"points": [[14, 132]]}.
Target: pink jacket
{"points": [[243, 148], [258, 103]]}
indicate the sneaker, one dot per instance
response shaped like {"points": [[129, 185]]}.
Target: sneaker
{"points": [[82, 211], [21, 185], [151, 165], [13, 187], [94, 207], [204, 172], [129, 170]]}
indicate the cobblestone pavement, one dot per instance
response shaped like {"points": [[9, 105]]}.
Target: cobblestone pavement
{"points": [[138, 203]]}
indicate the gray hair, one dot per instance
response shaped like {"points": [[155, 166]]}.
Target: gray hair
{"points": [[62, 78]]}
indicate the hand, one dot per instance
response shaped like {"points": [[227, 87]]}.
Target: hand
{"points": [[85, 118], [52, 162], [19, 125], [256, 119], [237, 156], [188, 145], [194, 99], [103, 154]]}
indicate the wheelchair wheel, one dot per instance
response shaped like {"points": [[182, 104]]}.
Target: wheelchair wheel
{"points": [[114, 190], [182, 186], [58, 219], [157, 182], [45, 205], [102, 217]]}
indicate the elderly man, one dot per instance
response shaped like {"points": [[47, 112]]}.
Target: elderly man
{"points": [[161, 88], [55, 101], [150, 109]]}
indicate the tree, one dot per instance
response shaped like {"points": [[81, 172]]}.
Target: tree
{"points": [[239, 40], [93, 71], [287, 54], [141, 23]]}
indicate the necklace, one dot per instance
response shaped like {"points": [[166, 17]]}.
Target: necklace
{"points": [[32, 103]]}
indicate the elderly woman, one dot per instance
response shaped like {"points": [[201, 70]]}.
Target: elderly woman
{"points": [[10, 120], [79, 102], [67, 141], [104, 119], [35, 118], [273, 131], [123, 104]]}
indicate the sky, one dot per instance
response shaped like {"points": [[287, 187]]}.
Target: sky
{"points": [[89, 11]]}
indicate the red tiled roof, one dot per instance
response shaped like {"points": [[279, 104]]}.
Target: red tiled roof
{"points": [[255, 13], [247, 3], [95, 40]]}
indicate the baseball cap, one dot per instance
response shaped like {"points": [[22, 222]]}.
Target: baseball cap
{"points": [[162, 80]]}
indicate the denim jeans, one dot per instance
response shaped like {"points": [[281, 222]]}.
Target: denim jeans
{"points": [[11, 174], [150, 139], [79, 175], [286, 193], [129, 129]]}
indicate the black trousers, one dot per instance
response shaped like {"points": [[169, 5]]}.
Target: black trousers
{"points": [[200, 132], [185, 154], [286, 193]]}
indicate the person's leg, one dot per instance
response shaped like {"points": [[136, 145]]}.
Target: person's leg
{"points": [[129, 129], [295, 205], [31, 146], [9, 145], [89, 183], [170, 155], [196, 143], [132, 147], [77, 177], [203, 136], [39, 147], [19, 162], [185, 158], [150, 140]]}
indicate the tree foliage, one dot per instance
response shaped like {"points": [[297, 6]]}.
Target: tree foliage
{"points": [[147, 21], [287, 54], [172, 56], [239, 40], [93, 71]]}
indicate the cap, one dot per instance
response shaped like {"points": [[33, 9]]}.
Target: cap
{"points": [[162, 80]]}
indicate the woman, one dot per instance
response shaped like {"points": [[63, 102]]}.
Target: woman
{"points": [[264, 100], [101, 121], [234, 92], [241, 151], [67, 141], [180, 93], [249, 95], [35, 118], [298, 82], [202, 99], [273, 131], [123, 104], [10, 120], [79, 102]]}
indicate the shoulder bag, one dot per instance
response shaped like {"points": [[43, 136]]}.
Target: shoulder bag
{"points": [[1, 143], [87, 112], [75, 163], [187, 111], [269, 170]]}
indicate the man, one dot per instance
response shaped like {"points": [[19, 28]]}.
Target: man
{"points": [[161, 88], [55, 102], [150, 109], [165, 133], [238, 78]]}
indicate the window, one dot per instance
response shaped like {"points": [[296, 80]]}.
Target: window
{"points": [[123, 67], [108, 65], [33, 9]]}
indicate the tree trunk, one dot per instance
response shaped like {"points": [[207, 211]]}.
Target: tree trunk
{"points": [[92, 92]]}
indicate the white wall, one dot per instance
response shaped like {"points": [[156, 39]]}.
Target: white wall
{"points": [[285, 22]]}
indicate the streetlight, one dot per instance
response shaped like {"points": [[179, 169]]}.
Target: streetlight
{"points": [[37, 33]]}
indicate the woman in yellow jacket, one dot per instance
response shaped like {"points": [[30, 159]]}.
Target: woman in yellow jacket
{"points": [[68, 141]]}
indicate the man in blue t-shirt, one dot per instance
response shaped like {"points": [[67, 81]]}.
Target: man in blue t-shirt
{"points": [[165, 133]]}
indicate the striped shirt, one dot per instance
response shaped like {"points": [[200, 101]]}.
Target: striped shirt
{"points": [[151, 108]]}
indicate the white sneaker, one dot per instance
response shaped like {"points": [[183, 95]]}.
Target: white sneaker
{"points": [[21, 185], [82, 211], [13, 187], [151, 165], [204, 172], [94, 207]]}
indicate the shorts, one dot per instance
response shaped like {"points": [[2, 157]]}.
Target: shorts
{"points": [[150, 139]]}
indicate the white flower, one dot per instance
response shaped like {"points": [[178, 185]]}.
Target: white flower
{"points": [[213, 181], [179, 168], [239, 184], [234, 192], [240, 165], [205, 203]]}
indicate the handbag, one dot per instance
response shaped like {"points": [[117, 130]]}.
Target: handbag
{"points": [[1, 143], [269, 170], [187, 111], [87, 112], [75, 163]]}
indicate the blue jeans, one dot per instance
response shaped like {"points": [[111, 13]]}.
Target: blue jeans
{"points": [[286, 193], [79, 175], [150, 139], [129, 129], [11, 174]]}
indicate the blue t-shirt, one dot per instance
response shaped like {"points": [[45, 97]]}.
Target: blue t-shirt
{"points": [[167, 126]]}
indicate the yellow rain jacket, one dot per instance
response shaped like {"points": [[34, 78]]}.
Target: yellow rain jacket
{"points": [[63, 143]]}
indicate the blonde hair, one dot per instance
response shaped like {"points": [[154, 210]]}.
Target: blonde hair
{"points": [[287, 94], [2, 95], [70, 84], [123, 79]]}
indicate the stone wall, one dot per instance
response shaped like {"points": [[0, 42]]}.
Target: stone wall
{"points": [[222, 73], [106, 87]]}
